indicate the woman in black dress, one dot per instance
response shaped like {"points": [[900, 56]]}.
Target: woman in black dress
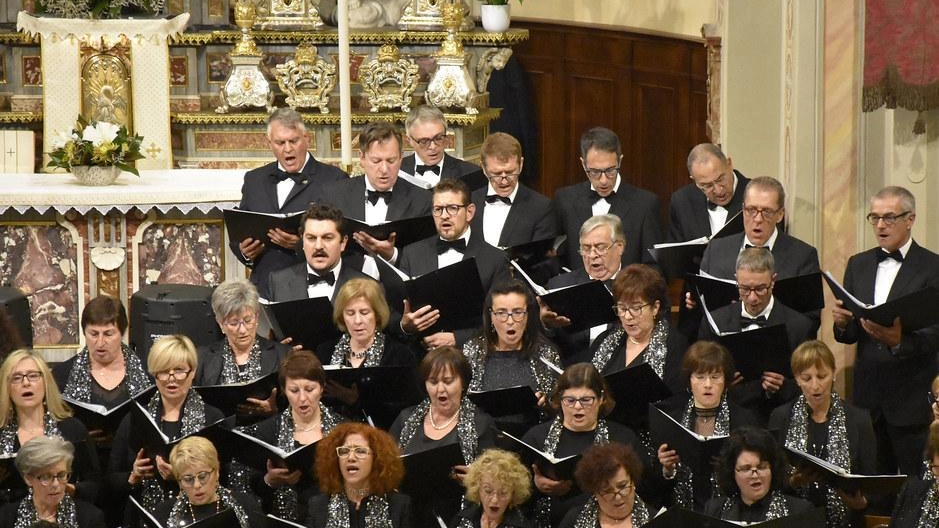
{"points": [[609, 473], [497, 483]]}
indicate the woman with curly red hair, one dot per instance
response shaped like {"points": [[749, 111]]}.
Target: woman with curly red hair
{"points": [[359, 467]]}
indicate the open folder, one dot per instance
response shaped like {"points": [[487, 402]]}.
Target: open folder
{"points": [[696, 451], [550, 466], [802, 293], [915, 310], [428, 473], [678, 258], [227, 397], [676, 517], [255, 453], [764, 349], [308, 321], [146, 433], [407, 230], [249, 224], [99, 417], [838, 478], [383, 391], [505, 401], [634, 388], [587, 304], [223, 519], [538, 258]]}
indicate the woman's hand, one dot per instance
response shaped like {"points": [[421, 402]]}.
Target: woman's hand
{"points": [[542, 399], [277, 477], [262, 407], [550, 486], [347, 395], [143, 468], [288, 340], [669, 460], [855, 501], [458, 473], [164, 469]]}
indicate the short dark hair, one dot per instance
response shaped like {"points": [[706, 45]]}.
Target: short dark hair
{"points": [[444, 357], [602, 139], [301, 364], [600, 463], [703, 152], [453, 185], [323, 211], [640, 280], [767, 183], [583, 375], [532, 336], [378, 131], [706, 357], [757, 440], [103, 310]]}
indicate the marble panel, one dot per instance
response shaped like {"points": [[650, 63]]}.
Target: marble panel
{"points": [[182, 252], [231, 141]]}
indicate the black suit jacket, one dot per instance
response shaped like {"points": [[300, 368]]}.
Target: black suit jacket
{"points": [[637, 208], [289, 284], [688, 211], [793, 257], [885, 381], [407, 200], [211, 360], [259, 194], [452, 167], [421, 257], [531, 217]]}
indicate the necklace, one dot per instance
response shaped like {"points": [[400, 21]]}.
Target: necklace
{"points": [[436, 427], [633, 340], [619, 519], [218, 504], [357, 355], [312, 426]]}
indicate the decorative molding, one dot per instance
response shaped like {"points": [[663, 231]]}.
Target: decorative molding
{"points": [[8, 118], [257, 118], [331, 36]]}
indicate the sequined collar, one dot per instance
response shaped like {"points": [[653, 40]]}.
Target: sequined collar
{"points": [[373, 354], [180, 513], [8, 435], [466, 427], [590, 514], [66, 515], [475, 351], [78, 386], [230, 371], [377, 512], [654, 354]]}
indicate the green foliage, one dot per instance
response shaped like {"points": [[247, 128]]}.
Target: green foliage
{"points": [[97, 8], [94, 143]]}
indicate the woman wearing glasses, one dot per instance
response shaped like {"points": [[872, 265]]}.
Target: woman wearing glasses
{"points": [[445, 417], [822, 424], [45, 465], [195, 466], [582, 397], [707, 411], [511, 351], [609, 473], [31, 407], [359, 468], [242, 355], [177, 409], [751, 472]]}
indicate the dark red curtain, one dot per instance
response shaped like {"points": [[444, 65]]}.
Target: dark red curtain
{"points": [[901, 54]]}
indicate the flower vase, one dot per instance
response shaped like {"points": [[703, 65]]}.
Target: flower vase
{"points": [[495, 18], [96, 175]]}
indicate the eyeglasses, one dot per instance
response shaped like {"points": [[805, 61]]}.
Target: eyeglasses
{"points": [[889, 219], [609, 172], [932, 398], [358, 451], [46, 479], [635, 310], [176, 374], [720, 181], [585, 401], [188, 481], [506, 176], [235, 323], [451, 209], [500, 493], [760, 290], [33, 376], [503, 315], [599, 249], [752, 212], [425, 142], [761, 469], [621, 489]]}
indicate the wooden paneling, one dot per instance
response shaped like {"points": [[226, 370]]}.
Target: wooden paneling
{"points": [[650, 90]]}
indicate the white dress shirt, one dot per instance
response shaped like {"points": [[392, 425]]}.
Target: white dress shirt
{"points": [[495, 215], [601, 206], [887, 271]]}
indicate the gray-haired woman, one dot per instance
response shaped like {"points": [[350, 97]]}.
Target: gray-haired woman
{"points": [[45, 463]]}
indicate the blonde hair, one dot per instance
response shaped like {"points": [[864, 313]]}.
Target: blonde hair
{"points": [[169, 351], [810, 354], [505, 468], [53, 399], [191, 451], [367, 289]]}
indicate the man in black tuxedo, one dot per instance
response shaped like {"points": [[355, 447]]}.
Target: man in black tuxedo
{"points": [[378, 197], [758, 307], [455, 241], [430, 163], [323, 273], [507, 212], [895, 366], [601, 243], [715, 195], [284, 186], [606, 192]]}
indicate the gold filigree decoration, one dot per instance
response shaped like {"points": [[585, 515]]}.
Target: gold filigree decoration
{"points": [[307, 79], [388, 80], [317, 119], [106, 92], [288, 14], [451, 85], [20, 117], [427, 15], [376, 36], [246, 85]]}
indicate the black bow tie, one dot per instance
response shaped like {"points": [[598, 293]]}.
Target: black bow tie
{"points": [[283, 175], [748, 246], [421, 169], [493, 198], [313, 279], [373, 196], [445, 245], [895, 255], [712, 206], [596, 197], [759, 320]]}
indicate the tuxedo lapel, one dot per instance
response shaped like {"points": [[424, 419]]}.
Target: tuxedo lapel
{"points": [[309, 171], [910, 270], [699, 215], [868, 274]]}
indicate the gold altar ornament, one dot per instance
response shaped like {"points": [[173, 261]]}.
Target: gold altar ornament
{"points": [[288, 14], [389, 80], [427, 15], [451, 85], [307, 79], [246, 85]]}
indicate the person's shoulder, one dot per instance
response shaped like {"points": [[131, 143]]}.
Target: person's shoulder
{"points": [[537, 433], [918, 251], [89, 515], [466, 167], [637, 194], [324, 171], [797, 505], [72, 429], [290, 271], [569, 191], [778, 417], [263, 170], [621, 433], [268, 344], [684, 194], [213, 415]]}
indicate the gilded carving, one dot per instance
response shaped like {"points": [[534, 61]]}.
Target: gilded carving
{"points": [[451, 85], [288, 14], [307, 79], [389, 80], [491, 59], [246, 85], [106, 93]]}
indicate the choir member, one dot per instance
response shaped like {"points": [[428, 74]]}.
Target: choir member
{"points": [[427, 135], [497, 484], [359, 469], [918, 502], [609, 473]]}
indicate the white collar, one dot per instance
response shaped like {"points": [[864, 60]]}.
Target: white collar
{"points": [[490, 191], [769, 243], [765, 313]]}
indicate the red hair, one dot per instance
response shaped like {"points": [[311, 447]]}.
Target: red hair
{"points": [[387, 468]]}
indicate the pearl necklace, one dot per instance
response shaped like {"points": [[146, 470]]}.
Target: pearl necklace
{"points": [[633, 340], [218, 505], [436, 427]]}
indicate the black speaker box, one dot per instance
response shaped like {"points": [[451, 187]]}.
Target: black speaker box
{"points": [[157, 310], [16, 305]]}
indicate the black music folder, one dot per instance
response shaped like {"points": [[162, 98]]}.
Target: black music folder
{"points": [[676, 517], [308, 321], [383, 391], [228, 397], [255, 453], [634, 388], [838, 478], [407, 230], [914, 309], [538, 258], [10, 477], [427, 473], [802, 293], [550, 466], [223, 519], [146, 433], [587, 304], [696, 451], [678, 258], [460, 302], [718, 292], [506, 401], [277, 522], [99, 417], [249, 224]]}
